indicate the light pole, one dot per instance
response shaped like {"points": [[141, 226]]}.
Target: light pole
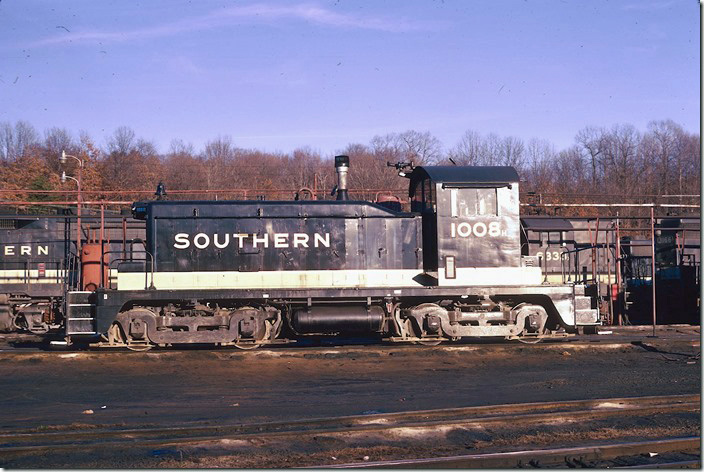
{"points": [[62, 160]]}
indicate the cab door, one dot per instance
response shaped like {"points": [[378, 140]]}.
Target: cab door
{"points": [[423, 202], [477, 227]]}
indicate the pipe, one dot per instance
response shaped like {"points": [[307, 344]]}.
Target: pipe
{"points": [[652, 246], [342, 164], [102, 245], [611, 205], [618, 268], [608, 272]]}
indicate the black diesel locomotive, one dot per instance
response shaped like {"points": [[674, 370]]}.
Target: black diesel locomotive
{"points": [[39, 262], [247, 273], [34, 255]]}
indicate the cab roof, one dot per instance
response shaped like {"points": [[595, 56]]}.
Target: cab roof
{"points": [[457, 175]]}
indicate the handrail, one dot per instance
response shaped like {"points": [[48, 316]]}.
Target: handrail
{"points": [[566, 256], [150, 286]]}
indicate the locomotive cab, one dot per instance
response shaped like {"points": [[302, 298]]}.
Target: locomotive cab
{"points": [[471, 226]]}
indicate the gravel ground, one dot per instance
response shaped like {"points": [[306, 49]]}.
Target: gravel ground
{"points": [[54, 390]]}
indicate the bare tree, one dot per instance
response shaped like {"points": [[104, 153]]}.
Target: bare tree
{"points": [[511, 152], [183, 170], [368, 170], [621, 168], [130, 163], [420, 147], [221, 169], [122, 141], [470, 150], [16, 141], [590, 139], [539, 166], [302, 168], [664, 159], [570, 172], [674, 158], [177, 147], [57, 140], [491, 150]]}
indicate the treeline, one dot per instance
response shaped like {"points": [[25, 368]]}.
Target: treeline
{"points": [[620, 163]]}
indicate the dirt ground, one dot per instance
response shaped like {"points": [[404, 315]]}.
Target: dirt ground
{"points": [[212, 386]]}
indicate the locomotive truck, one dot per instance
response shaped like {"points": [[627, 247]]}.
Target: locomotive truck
{"points": [[249, 273]]}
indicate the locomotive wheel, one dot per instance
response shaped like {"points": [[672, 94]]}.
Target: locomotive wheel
{"points": [[539, 316], [430, 342], [530, 339], [247, 346], [253, 344], [139, 346], [116, 337]]}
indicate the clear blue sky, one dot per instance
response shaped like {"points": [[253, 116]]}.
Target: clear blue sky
{"points": [[279, 75]]}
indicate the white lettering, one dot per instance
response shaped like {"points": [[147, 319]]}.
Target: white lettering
{"points": [[464, 230], [25, 250], [551, 256], [9, 250], [264, 239], [204, 237], [240, 239], [300, 238], [182, 241], [222, 240], [43, 250], [281, 240], [319, 239], [225, 244], [480, 229]]}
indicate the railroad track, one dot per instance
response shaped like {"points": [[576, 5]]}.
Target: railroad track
{"points": [[33, 344], [573, 457], [19, 443]]}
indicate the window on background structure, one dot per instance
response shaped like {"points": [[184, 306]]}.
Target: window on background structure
{"points": [[555, 238]]}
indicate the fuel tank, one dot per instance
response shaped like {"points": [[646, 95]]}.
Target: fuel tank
{"points": [[327, 319]]}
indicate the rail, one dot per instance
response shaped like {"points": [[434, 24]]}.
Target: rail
{"points": [[571, 457], [525, 414]]}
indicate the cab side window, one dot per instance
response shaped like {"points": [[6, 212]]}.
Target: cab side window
{"points": [[417, 198], [423, 196], [475, 202], [428, 195]]}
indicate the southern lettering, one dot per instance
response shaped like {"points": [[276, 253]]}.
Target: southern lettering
{"points": [[25, 250], [277, 240]]}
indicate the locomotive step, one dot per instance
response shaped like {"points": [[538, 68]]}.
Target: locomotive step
{"points": [[582, 303], [80, 318]]}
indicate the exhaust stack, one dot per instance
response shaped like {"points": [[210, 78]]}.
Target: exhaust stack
{"points": [[342, 164]]}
